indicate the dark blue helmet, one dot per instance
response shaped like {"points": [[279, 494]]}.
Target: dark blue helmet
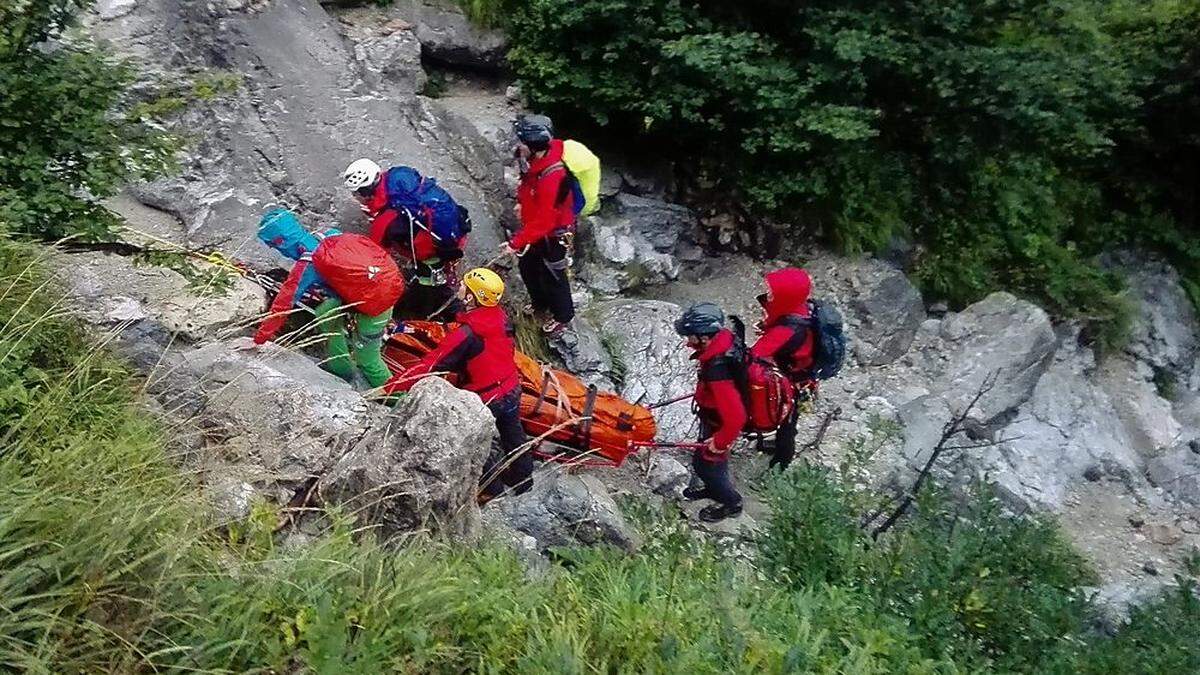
{"points": [[536, 131], [702, 319]]}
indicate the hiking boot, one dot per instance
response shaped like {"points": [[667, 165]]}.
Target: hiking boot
{"points": [[553, 327], [694, 492], [718, 512]]}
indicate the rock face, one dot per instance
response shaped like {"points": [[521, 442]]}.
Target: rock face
{"points": [[638, 241], [152, 307], [418, 471], [1001, 337], [1165, 332], [310, 101], [881, 305], [563, 509], [655, 360], [582, 350]]}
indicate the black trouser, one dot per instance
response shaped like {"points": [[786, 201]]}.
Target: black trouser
{"points": [[715, 474], [502, 470], [544, 271], [421, 301], [785, 441]]}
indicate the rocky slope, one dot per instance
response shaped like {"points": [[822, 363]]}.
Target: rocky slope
{"points": [[1110, 445]]}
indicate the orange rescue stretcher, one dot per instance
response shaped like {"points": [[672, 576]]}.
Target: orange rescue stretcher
{"points": [[585, 426]]}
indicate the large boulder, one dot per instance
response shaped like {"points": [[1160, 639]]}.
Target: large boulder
{"points": [[1165, 330], [584, 353], [638, 241], [1067, 432], [394, 57], [564, 509], [1000, 339], [421, 468], [268, 416], [272, 423], [654, 359], [153, 307], [881, 306]]}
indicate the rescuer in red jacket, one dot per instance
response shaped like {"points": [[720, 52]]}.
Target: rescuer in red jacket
{"points": [[788, 341], [547, 212], [428, 261], [720, 407], [482, 353]]}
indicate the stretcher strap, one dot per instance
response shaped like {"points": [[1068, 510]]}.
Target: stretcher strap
{"points": [[588, 408]]}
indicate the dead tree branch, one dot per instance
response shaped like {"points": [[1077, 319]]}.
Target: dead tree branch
{"points": [[951, 429]]}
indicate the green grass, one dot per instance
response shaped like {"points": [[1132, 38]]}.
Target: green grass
{"points": [[111, 562]]}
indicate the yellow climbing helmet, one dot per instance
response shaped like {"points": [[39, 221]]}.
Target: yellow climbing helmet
{"points": [[485, 285]]}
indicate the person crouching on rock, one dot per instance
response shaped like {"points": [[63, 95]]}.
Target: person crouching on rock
{"points": [[351, 272], [719, 405], [546, 209], [788, 341], [420, 223], [482, 353]]}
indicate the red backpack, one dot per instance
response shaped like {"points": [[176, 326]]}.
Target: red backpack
{"points": [[767, 392], [770, 397], [359, 271]]}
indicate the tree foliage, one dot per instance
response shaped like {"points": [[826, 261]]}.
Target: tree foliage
{"points": [[69, 132], [984, 132]]}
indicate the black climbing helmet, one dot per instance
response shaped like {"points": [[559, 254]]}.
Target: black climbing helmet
{"points": [[535, 131], [702, 319]]}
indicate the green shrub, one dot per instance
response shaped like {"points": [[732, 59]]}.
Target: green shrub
{"points": [[983, 132], [69, 133]]}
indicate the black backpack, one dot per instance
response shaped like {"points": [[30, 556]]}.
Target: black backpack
{"points": [[829, 343]]}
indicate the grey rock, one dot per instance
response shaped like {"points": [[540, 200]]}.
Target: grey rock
{"points": [[395, 57], [269, 417], [888, 309], [565, 509], [667, 477], [497, 531], [1114, 602], [1165, 332], [447, 36], [114, 9], [1093, 473], [230, 497], [1148, 419], [416, 471], [1001, 337], [1165, 534], [1068, 428], [1177, 472], [583, 352], [655, 359], [637, 241], [110, 291], [660, 223], [304, 111]]}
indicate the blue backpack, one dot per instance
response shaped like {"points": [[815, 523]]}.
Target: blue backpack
{"points": [[829, 344], [427, 203]]}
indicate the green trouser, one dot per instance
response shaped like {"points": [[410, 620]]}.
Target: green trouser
{"points": [[365, 347]]}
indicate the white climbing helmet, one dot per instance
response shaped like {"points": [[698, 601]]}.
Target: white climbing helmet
{"points": [[361, 173]]}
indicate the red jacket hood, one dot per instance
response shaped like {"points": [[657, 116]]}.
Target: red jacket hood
{"points": [[486, 322], [553, 155], [790, 288], [720, 344]]}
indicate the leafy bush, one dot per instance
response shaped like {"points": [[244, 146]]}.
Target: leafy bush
{"points": [[984, 132], [978, 587], [69, 134]]}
